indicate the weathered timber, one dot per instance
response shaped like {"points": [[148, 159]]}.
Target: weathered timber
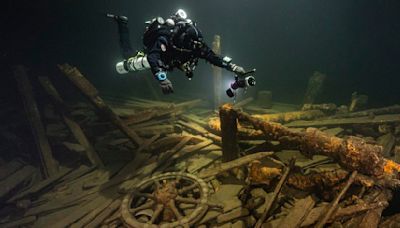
{"points": [[388, 142], [164, 159], [373, 217], [348, 211], [49, 166], [82, 211], [223, 167], [314, 88], [275, 195], [92, 94], [328, 108], [24, 222], [9, 168], [325, 181], [390, 222], [113, 207], [243, 133], [298, 213], [91, 215], [73, 126], [358, 102], [197, 129], [194, 118], [333, 205], [157, 129], [394, 109], [377, 120], [243, 102], [217, 73], [37, 188], [352, 153], [228, 119], [11, 182], [291, 116]]}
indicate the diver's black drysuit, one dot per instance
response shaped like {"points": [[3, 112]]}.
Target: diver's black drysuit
{"points": [[178, 46]]}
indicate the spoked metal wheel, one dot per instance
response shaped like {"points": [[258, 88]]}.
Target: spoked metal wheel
{"points": [[157, 201]]}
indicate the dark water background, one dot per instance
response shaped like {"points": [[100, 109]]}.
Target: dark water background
{"points": [[356, 43]]}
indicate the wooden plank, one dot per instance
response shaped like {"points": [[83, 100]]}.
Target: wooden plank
{"points": [[104, 214], [9, 168], [37, 188], [275, 194], [91, 93], [11, 182], [48, 164], [73, 126], [233, 164], [334, 204], [83, 211], [90, 216], [377, 120], [24, 222], [243, 102], [298, 213]]}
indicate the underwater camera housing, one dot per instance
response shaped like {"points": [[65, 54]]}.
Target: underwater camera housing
{"points": [[240, 82]]}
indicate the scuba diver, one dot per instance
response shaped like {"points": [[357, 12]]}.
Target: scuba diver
{"points": [[172, 43]]}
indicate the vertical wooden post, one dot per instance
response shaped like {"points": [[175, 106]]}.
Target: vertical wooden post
{"points": [[217, 73], [314, 87], [228, 118], [48, 164]]}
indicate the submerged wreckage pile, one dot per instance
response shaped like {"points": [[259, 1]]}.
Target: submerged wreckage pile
{"points": [[129, 162]]}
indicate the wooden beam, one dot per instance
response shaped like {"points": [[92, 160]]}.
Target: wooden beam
{"points": [[228, 119], [73, 126], [49, 165], [92, 94]]}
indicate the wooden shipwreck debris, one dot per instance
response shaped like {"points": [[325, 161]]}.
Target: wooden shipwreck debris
{"points": [[291, 116], [326, 108], [230, 148], [376, 120], [223, 167], [332, 207], [314, 88], [275, 194], [92, 94], [352, 153], [73, 126], [358, 102], [49, 164]]}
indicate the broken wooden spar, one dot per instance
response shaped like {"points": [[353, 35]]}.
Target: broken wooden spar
{"points": [[48, 163], [230, 147], [92, 94], [73, 126], [352, 153], [291, 116]]}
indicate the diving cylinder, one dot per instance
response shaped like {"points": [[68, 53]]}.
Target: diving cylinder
{"points": [[132, 64]]}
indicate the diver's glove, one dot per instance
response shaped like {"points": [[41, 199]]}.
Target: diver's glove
{"points": [[236, 69], [165, 84], [227, 63]]}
